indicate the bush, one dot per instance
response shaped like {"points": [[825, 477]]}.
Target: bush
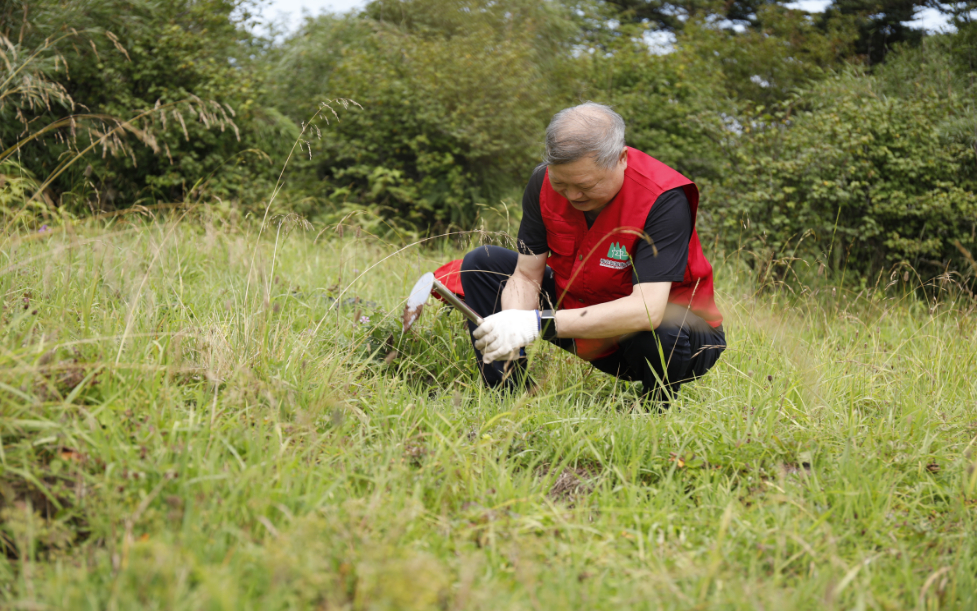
{"points": [[117, 59], [671, 104], [765, 64], [17, 185], [678, 106], [862, 172], [453, 99]]}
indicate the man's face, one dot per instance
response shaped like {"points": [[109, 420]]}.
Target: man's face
{"points": [[587, 186]]}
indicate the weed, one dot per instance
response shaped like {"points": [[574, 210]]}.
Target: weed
{"points": [[169, 437]]}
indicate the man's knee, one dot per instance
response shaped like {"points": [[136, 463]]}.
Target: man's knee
{"points": [[666, 337], [671, 337], [473, 261], [488, 258], [661, 346]]}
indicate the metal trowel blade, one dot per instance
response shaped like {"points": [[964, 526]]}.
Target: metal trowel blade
{"points": [[418, 297]]}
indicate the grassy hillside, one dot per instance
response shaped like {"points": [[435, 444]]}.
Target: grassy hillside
{"points": [[196, 417]]}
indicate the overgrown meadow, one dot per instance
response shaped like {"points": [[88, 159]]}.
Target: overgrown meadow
{"points": [[198, 416]]}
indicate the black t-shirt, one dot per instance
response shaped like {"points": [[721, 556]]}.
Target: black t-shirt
{"points": [[669, 225]]}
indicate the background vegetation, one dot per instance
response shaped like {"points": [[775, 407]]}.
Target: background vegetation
{"points": [[846, 138]]}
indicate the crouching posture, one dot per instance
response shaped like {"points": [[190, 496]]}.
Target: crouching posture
{"points": [[609, 265]]}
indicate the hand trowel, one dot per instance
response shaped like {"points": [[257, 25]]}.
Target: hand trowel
{"points": [[420, 293]]}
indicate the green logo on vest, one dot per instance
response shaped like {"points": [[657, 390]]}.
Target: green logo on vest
{"points": [[617, 252]]}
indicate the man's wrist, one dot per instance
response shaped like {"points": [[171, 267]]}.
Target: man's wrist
{"points": [[547, 324]]}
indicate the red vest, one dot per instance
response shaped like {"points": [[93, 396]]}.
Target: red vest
{"points": [[593, 265]]}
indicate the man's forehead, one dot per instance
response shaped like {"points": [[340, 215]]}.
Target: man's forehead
{"points": [[582, 170]]}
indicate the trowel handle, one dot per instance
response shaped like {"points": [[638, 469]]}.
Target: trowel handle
{"points": [[457, 303]]}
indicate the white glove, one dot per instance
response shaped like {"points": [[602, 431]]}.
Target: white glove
{"points": [[500, 336]]}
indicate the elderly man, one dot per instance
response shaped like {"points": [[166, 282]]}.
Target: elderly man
{"points": [[608, 245]]}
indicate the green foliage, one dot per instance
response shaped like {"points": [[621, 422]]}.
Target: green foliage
{"points": [[673, 16], [678, 106], [17, 185], [187, 423], [882, 24], [30, 84], [962, 45], [120, 59], [453, 97], [863, 172], [670, 103], [415, 116], [763, 65]]}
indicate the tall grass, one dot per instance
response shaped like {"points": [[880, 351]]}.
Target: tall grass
{"points": [[172, 439]]}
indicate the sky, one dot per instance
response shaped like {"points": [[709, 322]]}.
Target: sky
{"points": [[293, 8], [291, 11], [930, 19]]}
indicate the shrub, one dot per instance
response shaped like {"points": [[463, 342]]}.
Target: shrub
{"points": [[859, 174], [454, 97], [118, 59]]}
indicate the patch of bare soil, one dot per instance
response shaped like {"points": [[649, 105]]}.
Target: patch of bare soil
{"points": [[572, 484]]}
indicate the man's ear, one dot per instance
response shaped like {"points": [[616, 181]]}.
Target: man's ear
{"points": [[623, 158]]}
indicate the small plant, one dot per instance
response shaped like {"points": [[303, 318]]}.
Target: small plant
{"points": [[18, 207]]}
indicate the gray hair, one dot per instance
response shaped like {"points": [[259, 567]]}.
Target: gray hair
{"points": [[587, 130]]}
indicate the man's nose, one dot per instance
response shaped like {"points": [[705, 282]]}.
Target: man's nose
{"points": [[574, 195]]}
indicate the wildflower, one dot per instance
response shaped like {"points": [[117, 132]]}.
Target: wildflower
{"points": [[364, 320], [44, 229]]}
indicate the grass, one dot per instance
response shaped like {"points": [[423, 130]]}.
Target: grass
{"points": [[195, 418]]}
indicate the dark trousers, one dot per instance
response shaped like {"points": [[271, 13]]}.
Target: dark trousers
{"points": [[689, 345]]}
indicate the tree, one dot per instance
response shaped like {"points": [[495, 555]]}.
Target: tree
{"points": [[119, 59], [453, 97], [963, 44], [881, 24], [672, 16], [786, 50]]}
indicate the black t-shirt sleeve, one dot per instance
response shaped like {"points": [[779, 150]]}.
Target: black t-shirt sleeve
{"points": [[669, 225], [532, 231]]}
